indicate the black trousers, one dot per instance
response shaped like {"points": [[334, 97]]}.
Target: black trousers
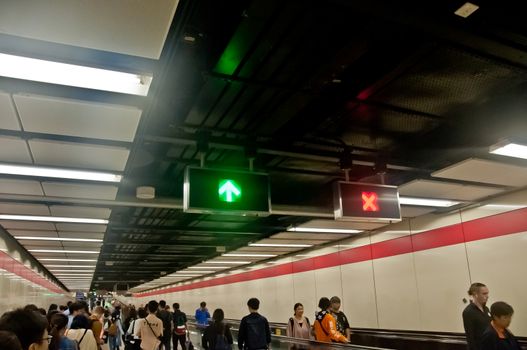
{"points": [[165, 343], [181, 338]]}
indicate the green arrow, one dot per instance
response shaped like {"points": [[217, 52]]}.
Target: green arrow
{"points": [[228, 189]]}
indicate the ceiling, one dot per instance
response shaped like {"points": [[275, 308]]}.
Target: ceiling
{"points": [[399, 94]]}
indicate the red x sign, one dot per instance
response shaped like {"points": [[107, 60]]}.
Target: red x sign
{"points": [[369, 201]]}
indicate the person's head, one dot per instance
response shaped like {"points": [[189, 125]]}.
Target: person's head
{"points": [[175, 306], [324, 303], [52, 307], [253, 304], [203, 305], [9, 341], [63, 308], [97, 303], [152, 306], [57, 326], [132, 314], [141, 313], [29, 327], [479, 293], [218, 315], [80, 322], [85, 307], [31, 307], [501, 313], [299, 309], [98, 311], [76, 308], [335, 303], [69, 303], [162, 304]]}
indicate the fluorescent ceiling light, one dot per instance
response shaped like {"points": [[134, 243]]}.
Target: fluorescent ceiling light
{"points": [[84, 266], [64, 270], [73, 75], [466, 10], [63, 251], [427, 202], [75, 260], [53, 219], [208, 267], [280, 245], [200, 271], [250, 255], [509, 149], [29, 170], [58, 239], [323, 230], [227, 262]]}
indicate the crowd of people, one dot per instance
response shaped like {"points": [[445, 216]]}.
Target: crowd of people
{"points": [[155, 327]]}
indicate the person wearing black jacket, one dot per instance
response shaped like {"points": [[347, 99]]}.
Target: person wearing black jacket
{"points": [[218, 334], [497, 336], [476, 316], [254, 332]]}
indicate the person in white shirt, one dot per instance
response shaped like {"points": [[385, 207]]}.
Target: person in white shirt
{"points": [[150, 328]]}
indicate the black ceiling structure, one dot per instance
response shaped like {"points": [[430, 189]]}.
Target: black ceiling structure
{"points": [[302, 90]]}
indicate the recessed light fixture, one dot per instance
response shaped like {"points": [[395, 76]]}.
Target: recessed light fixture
{"points": [[58, 239], [26, 68], [63, 251], [466, 10], [38, 171], [53, 219], [209, 267], [280, 245], [427, 202], [74, 260], [321, 229], [509, 149], [250, 255]]}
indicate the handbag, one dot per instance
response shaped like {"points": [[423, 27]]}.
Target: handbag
{"points": [[188, 343]]}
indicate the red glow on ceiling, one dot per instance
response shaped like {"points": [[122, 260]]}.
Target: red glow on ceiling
{"points": [[370, 201]]}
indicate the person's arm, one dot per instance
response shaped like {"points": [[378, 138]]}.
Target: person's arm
{"points": [[488, 341], [138, 329], [329, 324], [205, 338], [347, 327], [267, 332], [289, 329], [241, 334], [468, 324], [228, 334]]}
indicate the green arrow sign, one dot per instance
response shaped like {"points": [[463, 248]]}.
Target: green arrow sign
{"points": [[229, 191]]}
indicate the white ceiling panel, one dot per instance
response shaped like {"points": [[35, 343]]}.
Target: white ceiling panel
{"points": [[76, 155], [413, 211], [8, 119], [20, 187], [33, 233], [80, 212], [80, 227], [272, 240], [332, 224], [300, 236], [137, 28], [27, 225], [82, 245], [485, 171], [60, 189], [93, 235], [40, 244], [77, 118], [24, 209], [445, 190], [13, 149]]}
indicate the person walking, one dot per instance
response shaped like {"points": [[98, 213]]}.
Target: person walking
{"points": [[476, 316], [254, 332]]}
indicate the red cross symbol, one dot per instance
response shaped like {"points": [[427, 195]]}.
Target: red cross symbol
{"points": [[369, 201]]}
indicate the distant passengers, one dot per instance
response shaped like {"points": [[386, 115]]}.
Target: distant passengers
{"points": [[343, 325], [476, 316], [299, 325], [497, 336], [325, 324], [254, 332]]}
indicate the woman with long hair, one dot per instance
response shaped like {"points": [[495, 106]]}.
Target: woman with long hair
{"points": [[218, 334], [57, 327], [298, 325]]}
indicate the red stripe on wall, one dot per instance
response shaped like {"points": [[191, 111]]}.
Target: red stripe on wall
{"points": [[478, 229], [12, 265]]}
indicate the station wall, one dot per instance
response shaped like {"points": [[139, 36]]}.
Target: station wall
{"points": [[412, 275], [22, 281]]}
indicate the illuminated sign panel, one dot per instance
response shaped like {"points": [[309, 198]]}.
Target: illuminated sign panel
{"points": [[226, 192], [366, 202]]}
